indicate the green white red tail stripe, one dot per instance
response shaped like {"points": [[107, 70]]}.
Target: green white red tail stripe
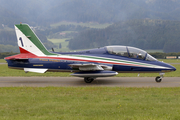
{"points": [[28, 40]]}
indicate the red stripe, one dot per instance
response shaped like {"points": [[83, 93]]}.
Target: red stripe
{"points": [[23, 50], [88, 61], [24, 55]]}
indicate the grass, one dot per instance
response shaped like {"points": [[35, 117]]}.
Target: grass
{"points": [[90, 24], [89, 103], [170, 60], [2, 61], [5, 72]]}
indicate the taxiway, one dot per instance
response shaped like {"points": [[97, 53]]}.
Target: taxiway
{"points": [[75, 82]]}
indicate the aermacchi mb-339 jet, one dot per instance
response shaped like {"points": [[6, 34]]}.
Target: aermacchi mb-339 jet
{"points": [[88, 64]]}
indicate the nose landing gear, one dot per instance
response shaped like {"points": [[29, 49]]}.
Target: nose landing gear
{"points": [[159, 78]]}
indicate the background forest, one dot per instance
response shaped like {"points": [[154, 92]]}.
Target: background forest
{"points": [[147, 24], [144, 34]]}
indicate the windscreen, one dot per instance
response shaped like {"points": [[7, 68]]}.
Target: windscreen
{"points": [[150, 58], [136, 53]]}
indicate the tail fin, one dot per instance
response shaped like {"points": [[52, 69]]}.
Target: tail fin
{"points": [[28, 42]]}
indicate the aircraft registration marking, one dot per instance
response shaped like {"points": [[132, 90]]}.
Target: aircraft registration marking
{"points": [[50, 60], [54, 60]]}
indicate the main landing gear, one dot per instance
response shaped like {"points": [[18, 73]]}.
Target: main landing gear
{"points": [[88, 79], [159, 78]]}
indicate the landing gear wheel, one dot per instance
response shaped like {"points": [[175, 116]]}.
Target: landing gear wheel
{"points": [[88, 79], [158, 79]]}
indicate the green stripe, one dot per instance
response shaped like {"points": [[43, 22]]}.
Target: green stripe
{"points": [[111, 60], [26, 30]]}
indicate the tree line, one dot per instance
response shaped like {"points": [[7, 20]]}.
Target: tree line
{"points": [[145, 34], [6, 54], [50, 32], [160, 55]]}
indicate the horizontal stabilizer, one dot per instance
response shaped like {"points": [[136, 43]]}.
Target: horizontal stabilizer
{"points": [[95, 74], [20, 56], [18, 59], [36, 70]]}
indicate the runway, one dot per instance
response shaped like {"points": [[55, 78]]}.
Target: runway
{"points": [[76, 82]]}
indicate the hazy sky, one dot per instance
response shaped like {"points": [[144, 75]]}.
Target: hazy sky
{"points": [[38, 11]]}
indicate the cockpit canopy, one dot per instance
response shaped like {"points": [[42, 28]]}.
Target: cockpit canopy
{"points": [[130, 52]]}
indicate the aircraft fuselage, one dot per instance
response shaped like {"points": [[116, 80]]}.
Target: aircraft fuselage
{"points": [[118, 63]]}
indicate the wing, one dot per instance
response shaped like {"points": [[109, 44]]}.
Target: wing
{"points": [[90, 67]]}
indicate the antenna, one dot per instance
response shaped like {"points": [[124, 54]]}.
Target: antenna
{"points": [[53, 49]]}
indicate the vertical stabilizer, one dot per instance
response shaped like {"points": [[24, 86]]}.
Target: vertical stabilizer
{"points": [[28, 42]]}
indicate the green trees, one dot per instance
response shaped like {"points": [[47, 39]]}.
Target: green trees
{"points": [[8, 48], [144, 34], [5, 54]]}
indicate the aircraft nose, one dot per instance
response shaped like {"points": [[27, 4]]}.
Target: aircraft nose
{"points": [[173, 68], [169, 67]]}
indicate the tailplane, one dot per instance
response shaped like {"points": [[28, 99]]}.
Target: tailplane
{"points": [[28, 42]]}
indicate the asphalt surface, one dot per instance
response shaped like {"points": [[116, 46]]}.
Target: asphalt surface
{"points": [[76, 82]]}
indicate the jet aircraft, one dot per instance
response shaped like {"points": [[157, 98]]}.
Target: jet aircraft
{"points": [[89, 64]]}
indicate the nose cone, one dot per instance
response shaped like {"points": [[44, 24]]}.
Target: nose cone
{"points": [[173, 68], [169, 67]]}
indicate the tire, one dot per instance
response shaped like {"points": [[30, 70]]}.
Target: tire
{"points": [[88, 80], [158, 79]]}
